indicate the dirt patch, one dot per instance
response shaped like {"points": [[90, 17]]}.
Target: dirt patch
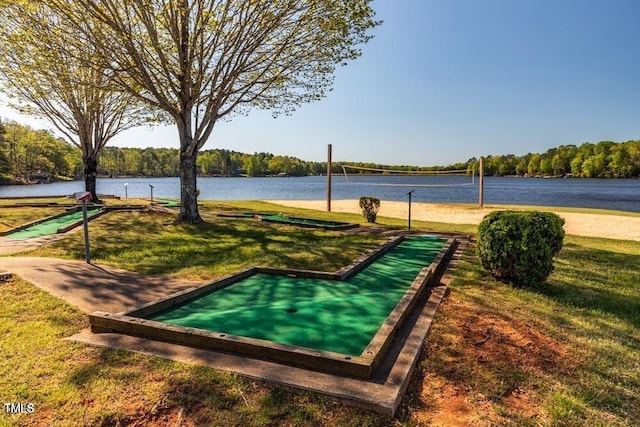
{"points": [[477, 366]]}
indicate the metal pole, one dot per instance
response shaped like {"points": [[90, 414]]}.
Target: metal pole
{"points": [[151, 193], [329, 178], [481, 189], [409, 194], [126, 190], [87, 250]]}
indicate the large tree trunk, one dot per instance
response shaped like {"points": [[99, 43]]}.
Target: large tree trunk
{"points": [[188, 188], [90, 174], [188, 154]]}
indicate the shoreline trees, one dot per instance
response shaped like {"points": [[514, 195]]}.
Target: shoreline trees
{"points": [[605, 159], [21, 145], [36, 156]]}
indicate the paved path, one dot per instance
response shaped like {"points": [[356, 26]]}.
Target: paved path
{"points": [[10, 246], [91, 287]]}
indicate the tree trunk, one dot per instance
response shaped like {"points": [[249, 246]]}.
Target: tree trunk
{"points": [[188, 188], [90, 174], [188, 154]]}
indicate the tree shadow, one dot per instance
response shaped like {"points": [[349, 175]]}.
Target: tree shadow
{"points": [[586, 281], [230, 243]]}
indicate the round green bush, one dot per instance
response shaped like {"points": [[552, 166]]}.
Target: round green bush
{"points": [[518, 247]]}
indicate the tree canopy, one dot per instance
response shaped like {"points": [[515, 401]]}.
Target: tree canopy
{"points": [[199, 61], [44, 72]]}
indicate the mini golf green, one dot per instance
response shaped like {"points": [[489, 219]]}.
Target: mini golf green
{"points": [[342, 322], [51, 226], [168, 203], [307, 222], [328, 315]]}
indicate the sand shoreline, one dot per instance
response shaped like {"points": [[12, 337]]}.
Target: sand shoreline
{"points": [[581, 224]]}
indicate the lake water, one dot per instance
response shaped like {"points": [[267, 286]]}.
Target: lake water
{"points": [[617, 194]]}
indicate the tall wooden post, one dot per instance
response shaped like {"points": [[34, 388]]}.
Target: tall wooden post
{"points": [[481, 185], [409, 221], [329, 178]]}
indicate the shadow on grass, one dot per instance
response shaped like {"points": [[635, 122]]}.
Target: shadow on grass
{"points": [[150, 243], [596, 279], [198, 395]]}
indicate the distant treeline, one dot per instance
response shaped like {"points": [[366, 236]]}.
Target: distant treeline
{"points": [[606, 159], [28, 155], [217, 162]]}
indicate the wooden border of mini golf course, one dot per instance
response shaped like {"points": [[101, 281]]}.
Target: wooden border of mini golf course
{"points": [[295, 221], [134, 323], [313, 222], [69, 211]]}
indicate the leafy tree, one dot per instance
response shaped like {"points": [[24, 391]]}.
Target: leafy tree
{"points": [[44, 72], [202, 60], [593, 165], [621, 164], [576, 164], [38, 154], [546, 166], [533, 167], [255, 165]]}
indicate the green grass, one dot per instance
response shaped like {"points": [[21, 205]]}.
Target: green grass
{"points": [[59, 200], [566, 353], [151, 243], [586, 370]]}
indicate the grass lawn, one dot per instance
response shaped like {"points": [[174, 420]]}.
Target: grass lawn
{"points": [[567, 353]]}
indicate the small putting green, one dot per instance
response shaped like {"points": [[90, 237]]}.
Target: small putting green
{"points": [[329, 315], [168, 203], [307, 222], [51, 226]]}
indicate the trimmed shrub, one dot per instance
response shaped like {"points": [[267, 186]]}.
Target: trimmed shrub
{"points": [[370, 206], [518, 247]]}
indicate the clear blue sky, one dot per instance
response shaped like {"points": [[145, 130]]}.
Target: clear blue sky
{"points": [[446, 80]]}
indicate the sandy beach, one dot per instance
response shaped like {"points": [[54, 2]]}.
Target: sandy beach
{"points": [[580, 224]]}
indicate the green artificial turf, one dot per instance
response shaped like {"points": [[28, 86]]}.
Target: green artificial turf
{"points": [[51, 226], [329, 315]]}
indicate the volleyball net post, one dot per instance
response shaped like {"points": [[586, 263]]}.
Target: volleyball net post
{"points": [[329, 166], [409, 220]]}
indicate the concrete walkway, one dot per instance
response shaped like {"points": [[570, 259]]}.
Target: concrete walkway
{"points": [[91, 287], [10, 246]]}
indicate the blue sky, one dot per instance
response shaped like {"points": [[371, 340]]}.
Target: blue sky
{"points": [[446, 80]]}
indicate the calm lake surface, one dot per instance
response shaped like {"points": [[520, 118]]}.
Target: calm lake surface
{"points": [[616, 194]]}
